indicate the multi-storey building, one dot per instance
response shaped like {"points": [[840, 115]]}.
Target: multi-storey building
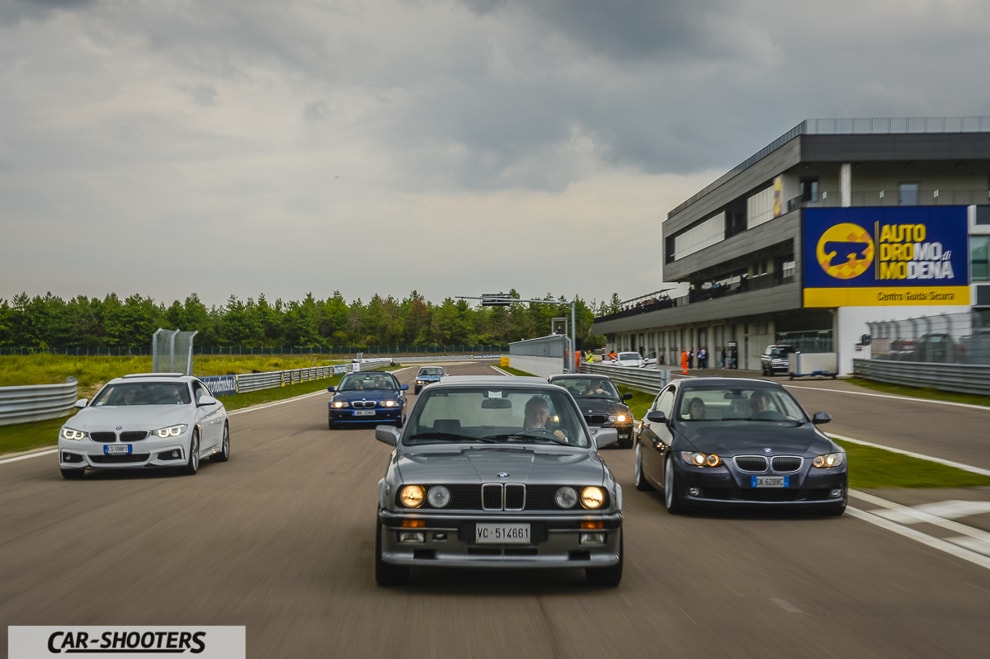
{"points": [[834, 225]]}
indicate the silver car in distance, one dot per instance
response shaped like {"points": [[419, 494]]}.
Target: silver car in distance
{"points": [[497, 472]]}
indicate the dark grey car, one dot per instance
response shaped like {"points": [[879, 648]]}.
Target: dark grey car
{"points": [[473, 484]]}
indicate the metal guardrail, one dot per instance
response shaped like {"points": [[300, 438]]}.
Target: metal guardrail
{"points": [[650, 380], [37, 402], [24, 404], [961, 378]]}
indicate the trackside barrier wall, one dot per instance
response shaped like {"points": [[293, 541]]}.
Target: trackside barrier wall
{"points": [[52, 401], [962, 378], [544, 356], [650, 380], [37, 402]]}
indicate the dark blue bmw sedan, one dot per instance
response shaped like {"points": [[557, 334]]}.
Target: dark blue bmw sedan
{"points": [[367, 397]]}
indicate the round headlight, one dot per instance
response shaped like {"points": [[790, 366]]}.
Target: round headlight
{"points": [[621, 418], [412, 496], [438, 496], [828, 460], [338, 404], [565, 497], [712, 460], [592, 498]]}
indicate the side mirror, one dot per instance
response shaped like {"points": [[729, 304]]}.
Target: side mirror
{"points": [[404, 387], [627, 396], [605, 436], [81, 403], [656, 416], [331, 389], [387, 434], [205, 401], [821, 417]]}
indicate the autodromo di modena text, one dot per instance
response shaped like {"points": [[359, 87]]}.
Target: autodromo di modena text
{"points": [[904, 254]]}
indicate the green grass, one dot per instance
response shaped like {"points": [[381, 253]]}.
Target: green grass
{"points": [[927, 393]]}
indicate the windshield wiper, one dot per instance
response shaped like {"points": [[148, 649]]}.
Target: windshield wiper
{"points": [[441, 435]]}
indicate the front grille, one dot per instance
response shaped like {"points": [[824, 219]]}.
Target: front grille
{"points": [[786, 462], [119, 459], [499, 496], [751, 462], [362, 403], [505, 496], [133, 435], [103, 436]]}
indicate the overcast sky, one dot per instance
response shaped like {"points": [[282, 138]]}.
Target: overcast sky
{"points": [[243, 147]]}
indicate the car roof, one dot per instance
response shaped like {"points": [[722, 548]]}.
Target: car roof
{"points": [[501, 381], [582, 376], [153, 377], [712, 382]]}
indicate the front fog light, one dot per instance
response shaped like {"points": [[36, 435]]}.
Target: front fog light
{"points": [[835, 493], [412, 537], [591, 539]]}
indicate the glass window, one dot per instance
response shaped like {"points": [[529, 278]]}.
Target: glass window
{"points": [[979, 257], [908, 194]]}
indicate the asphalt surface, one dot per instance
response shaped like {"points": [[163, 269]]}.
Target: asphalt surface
{"points": [[281, 539]]}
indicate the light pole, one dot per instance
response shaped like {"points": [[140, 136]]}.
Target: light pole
{"points": [[503, 300]]}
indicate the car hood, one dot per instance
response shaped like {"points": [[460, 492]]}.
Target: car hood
{"points": [[377, 394], [737, 438], [600, 406], [131, 417], [432, 464]]}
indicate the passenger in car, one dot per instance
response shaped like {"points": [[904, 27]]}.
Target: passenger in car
{"points": [[696, 409]]}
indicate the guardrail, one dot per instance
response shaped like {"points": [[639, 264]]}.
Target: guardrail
{"points": [[25, 404], [650, 380], [37, 402], [962, 378]]}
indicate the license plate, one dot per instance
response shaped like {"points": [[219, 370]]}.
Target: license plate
{"points": [[364, 413], [770, 481], [116, 449], [501, 534]]}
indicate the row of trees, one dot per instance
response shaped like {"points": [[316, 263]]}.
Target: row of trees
{"points": [[51, 323]]}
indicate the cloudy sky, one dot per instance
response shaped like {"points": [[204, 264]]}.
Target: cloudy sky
{"points": [[450, 147]]}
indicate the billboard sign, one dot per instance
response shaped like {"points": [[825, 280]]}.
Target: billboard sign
{"points": [[885, 256]]}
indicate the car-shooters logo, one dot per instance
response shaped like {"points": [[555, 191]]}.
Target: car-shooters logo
{"points": [[885, 256], [201, 642]]}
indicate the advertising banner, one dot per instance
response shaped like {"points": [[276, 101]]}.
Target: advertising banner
{"points": [[885, 256]]}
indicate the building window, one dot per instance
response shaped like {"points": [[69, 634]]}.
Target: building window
{"points": [[979, 257], [809, 189], [908, 194]]}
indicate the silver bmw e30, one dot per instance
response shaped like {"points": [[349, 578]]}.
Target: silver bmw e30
{"points": [[497, 472]]}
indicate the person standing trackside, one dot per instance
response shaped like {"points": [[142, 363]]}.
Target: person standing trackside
{"points": [[684, 361]]}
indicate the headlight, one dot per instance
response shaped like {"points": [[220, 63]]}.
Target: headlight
{"points": [[622, 418], [339, 404], [171, 431], [390, 403], [565, 497], [412, 496], [438, 496], [592, 498], [71, 433], [420, 382], [829, 460], [698, 459]]}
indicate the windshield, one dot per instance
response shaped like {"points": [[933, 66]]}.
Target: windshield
{"points": [[431, 371], [589, 387], [738, 404], [144, 393], [367, 381], [510, 415]]}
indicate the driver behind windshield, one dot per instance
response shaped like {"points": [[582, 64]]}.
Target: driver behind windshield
{"points": [[537, 415]]}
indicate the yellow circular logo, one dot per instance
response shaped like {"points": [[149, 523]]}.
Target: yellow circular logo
{"points": [[845, 251]]}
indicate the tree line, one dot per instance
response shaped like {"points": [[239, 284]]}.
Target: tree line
{"points": [[329, 325]]}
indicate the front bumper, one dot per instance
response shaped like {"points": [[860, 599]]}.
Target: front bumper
{"points": [[449, 541], [811, 489], [146, 453], [346, 416]]}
